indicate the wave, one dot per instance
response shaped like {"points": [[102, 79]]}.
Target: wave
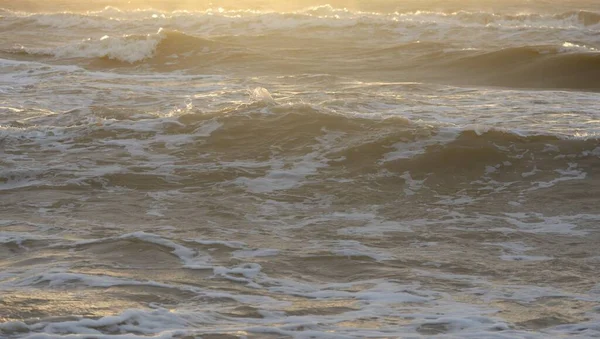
{"points": [[314, 140], [398, 145], [320, 16], [585, 18], [581, 19], [530, 66], [270, 114], [566, 66], [162, 45], [127, 48]]}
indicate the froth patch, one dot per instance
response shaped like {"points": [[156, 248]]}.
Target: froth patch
{"points": [[352, 248], [571, 173], [538, 223], [514, 251], [407, 150], [245, 273], [285, 174]]}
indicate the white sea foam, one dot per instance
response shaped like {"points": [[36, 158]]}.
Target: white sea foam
{"points": [[206, 129], [375, 299], [573, 225], [538, 223], [375, 227], [530, 173], [486, 19], [245, 273], [19, 75], [261, 94], [352, 248], [413, 185], [160, 323], [407, 150], [516, 252], [282, 178], [571, 47], [262, 252], [457, 200], [286, 174], [571, 173]]}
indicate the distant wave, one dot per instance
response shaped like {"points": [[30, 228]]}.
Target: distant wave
{"points": [[532, 66], [131, 49], [126, 48], [585, 18], [321, 16], [548, 51], [562, 20], [567, 66]]}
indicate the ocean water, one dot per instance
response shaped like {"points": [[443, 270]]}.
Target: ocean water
{"points": [[352, 170]]}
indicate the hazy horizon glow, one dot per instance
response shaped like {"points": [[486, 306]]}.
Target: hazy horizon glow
{"points": [[290, 5]]}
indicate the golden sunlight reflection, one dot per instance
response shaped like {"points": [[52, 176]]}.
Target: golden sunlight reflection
{"points": [[62, 303]]}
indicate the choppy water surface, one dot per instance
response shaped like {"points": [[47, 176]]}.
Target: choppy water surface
{"points": [[316, 173]]}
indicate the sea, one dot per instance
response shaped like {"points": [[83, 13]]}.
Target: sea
{"points": [[302, 169]]}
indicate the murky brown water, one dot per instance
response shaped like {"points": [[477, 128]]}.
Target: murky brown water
{"points": [[314, 172]]}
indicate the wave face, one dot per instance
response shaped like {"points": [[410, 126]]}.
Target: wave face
{"points": [[324, 172]]}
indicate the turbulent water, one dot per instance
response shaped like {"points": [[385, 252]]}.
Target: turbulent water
{"points": [[313, 173]]}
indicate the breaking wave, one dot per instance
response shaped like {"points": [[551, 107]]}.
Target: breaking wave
{"points": [[325, 15], [131, 49], [246, 132]]}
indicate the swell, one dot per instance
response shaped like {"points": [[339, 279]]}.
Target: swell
{"points": [[240, 141], [531, 66], [567, 66]]}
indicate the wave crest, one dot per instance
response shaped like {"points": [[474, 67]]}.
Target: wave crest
{"points": [[127, 48], [130, 49]]}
